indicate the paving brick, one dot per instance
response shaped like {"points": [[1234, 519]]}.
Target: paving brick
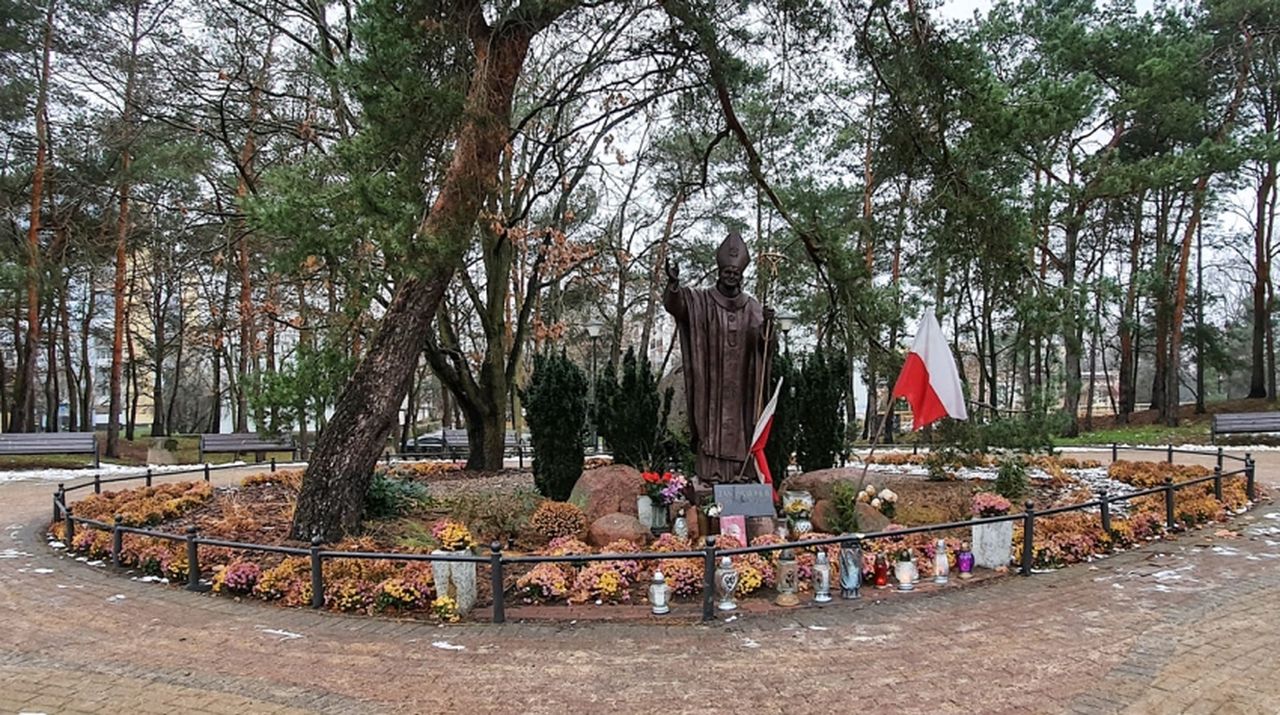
{"points": [[1068, 641]]}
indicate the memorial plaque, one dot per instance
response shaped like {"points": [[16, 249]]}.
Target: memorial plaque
{"points": [[745, 499]]}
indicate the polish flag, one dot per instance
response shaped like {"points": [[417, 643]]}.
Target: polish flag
{"points": [[761, 436], [929, 378]]}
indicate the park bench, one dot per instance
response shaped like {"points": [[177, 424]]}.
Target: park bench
{"points": [[29, 443], [239, 442], [453, 444], [1244, 423]]}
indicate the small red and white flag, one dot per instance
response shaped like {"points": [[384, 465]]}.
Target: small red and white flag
{"points": [[929, 379], [761, 436]]}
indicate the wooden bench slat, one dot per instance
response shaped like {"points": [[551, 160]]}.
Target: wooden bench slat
{"points": [[1244, 423], [49, 443]]}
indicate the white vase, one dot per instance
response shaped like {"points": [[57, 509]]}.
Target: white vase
{"points": [[992, 544], [644, 509], [455, 579]]}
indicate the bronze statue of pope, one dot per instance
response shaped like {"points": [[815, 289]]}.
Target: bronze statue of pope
{"points": [[725, 345]]}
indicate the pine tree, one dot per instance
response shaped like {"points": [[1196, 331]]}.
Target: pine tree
{"points": [[632, 415], [820, 391], [555, 403]]}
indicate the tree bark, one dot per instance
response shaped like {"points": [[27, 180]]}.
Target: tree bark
{"points": [[1128, 321], [1261, 277], [25, 398], [331, 501], [88, 406], [122, 237], [68, 366]]}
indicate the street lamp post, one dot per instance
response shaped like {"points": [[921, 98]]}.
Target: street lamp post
{"points": [[786, 321], [593, 328]]}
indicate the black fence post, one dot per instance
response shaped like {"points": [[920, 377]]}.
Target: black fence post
{"points": [[68, 525], [97, 484], [193, 560], [59, 499], [1169, 459], [495, 574], [1028, 536], [1250, 488], [1104, 505], [1169, 519], [709, 580], [317, 574], [273, 465], [206, 471], [1114, 454], [117, 541], [1219, 457], [148, 476], [1217, 483]]}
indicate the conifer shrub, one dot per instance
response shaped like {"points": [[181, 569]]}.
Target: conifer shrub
{"points": [[555, 404]]}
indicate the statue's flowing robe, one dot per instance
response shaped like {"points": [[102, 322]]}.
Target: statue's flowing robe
{"points": [[725, 356]]}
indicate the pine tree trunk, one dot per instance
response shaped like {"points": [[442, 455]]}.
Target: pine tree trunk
{"points": [[88, 405], [122, 237], [52, 391], [68, 367], [1128, 321], [331, 501], [180, 337], [159, 428], [131, 418], [25, 398]]}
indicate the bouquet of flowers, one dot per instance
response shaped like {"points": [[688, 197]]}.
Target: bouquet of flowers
{"points": [[796, 509], [990, 504], [664, 488], [451, 535], [884, 501]]}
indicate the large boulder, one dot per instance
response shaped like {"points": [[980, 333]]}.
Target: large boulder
{"points": [[612, 527], [607, 490], [822, 483], [869, 519]]}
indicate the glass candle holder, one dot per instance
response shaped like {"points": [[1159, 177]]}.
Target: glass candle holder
{"points": [[964, 561], [941, 562], [882, 571], [822, 577]]}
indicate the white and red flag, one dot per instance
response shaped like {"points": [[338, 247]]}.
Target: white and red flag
{"points": [[761, 436], [929, 379]]}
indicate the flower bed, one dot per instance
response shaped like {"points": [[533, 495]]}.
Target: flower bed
{"points": [[259, 511]]}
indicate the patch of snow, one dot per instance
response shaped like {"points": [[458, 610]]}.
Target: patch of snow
{"points": [[57, 545], [869, 639], [818, 628], [446, 645], [12, 554], [116, 598], [106, 470], [748, 643], [284, 635], [1225, 551], [41, 570]]}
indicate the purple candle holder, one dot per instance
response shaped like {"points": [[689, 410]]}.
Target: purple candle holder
{"points": [[964, 561]]}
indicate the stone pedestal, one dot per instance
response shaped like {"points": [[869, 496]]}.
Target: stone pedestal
{"points": [[992, 544], [457, 580]]}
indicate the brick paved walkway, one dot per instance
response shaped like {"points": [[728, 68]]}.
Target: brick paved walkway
{"points": [[1186, 626]]}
